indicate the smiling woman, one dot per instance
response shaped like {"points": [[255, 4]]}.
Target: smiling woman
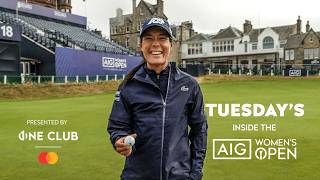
{"points": [[156, 46], [162, 108]]}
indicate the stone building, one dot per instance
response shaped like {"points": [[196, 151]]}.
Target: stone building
{"points": [[231, 48], [125, 28], [181, 32], [302, 50]]}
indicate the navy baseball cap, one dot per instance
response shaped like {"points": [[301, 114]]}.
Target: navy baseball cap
{"points": [[156, 22]]}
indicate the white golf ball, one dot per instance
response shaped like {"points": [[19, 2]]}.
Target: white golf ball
{"points": [[129, 140]]}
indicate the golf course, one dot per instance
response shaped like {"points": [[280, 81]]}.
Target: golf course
{"points": [[92, 156]]}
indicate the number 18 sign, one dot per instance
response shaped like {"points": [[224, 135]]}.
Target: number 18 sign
{"points": [[10, 32]]}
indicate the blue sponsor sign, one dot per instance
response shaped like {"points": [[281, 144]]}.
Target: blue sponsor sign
{"points": [[114, 63], [10, 32], [72, 62], [295, 72], [43, 11]]}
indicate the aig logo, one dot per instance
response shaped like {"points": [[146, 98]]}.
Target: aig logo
{"points": [[108, 62], [156, 20], [232, 149], [295, 72]]}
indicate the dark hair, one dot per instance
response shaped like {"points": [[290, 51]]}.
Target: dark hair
{"points": [[131, 73]]}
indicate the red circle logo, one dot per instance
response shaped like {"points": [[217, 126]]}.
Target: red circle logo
{"points": [[48, 158]]}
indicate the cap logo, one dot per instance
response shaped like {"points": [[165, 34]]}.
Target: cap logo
{"points": [[156, 21]]}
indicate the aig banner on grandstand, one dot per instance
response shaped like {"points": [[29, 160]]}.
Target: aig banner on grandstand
{"points": [[71, 62]]}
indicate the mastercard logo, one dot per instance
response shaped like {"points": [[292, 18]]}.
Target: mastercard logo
{"points": [[48, 158]]}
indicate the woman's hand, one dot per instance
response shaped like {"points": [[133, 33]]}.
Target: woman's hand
{"points": [[123, 148]]}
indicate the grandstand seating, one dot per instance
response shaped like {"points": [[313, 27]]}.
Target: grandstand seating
{"points": [[50, 34], [27, 30]]}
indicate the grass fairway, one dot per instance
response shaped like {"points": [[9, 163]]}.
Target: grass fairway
{"points": [[92, 156]]}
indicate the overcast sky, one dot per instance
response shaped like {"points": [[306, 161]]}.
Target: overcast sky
{"points": [[208, 16]]}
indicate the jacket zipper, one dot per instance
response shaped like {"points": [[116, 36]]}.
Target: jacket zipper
{"points": [[163, 122], [163, 118]]}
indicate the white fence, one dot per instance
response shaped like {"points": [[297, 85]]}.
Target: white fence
{"points": [[58, 79]]}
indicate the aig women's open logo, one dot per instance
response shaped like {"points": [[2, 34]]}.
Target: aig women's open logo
{"points": [[115, 63], [236, 149]]}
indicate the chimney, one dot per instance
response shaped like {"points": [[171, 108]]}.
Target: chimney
{"points": [[247, 27], [119, 12], [298, 25], [307, 26], [160, 8], [134, 4]]}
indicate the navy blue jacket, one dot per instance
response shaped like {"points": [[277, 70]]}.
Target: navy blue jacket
{"points": [[165, 147]]}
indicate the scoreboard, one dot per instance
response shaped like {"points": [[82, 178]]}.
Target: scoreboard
{"points": [[10, 32]]}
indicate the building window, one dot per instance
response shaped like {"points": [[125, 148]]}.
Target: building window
{"points": [[311, 53], [289, 54], [311, 38], [268, 43], [223, 46], [141, 11], [194, 48], [127, 28], [113, 29], [213, 47], [127, 42], [254, 46], [245, 46], [139, 25]]}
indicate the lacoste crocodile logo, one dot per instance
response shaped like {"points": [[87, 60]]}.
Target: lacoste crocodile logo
{"points": [[184, 88]]}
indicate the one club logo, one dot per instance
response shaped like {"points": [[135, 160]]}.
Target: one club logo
{"points": [[48, 158]]}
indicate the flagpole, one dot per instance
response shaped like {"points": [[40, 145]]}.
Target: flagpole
{"points": [[17, 11], [86, 13]]}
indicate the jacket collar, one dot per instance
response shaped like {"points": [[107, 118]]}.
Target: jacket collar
{"points": [[143, 76]]}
